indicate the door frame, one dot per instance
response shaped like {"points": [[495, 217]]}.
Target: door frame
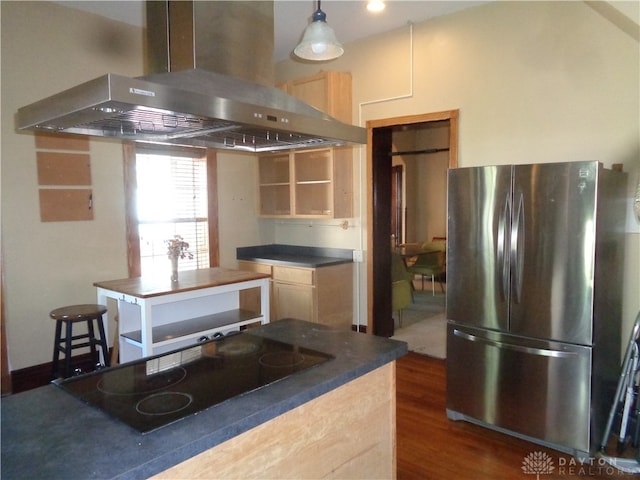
{"points": [[379, 315]]}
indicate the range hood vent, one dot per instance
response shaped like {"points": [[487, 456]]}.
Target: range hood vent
{"points": [[191, 107]]}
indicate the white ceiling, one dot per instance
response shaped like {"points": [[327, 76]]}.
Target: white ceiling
{"points": [[350, 19]]}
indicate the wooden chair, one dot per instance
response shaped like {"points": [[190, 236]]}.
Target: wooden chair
{"points": [[401, 292], [431, 264]]}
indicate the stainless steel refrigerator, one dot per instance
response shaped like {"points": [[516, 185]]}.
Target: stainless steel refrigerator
{"points": [[534, 286]]}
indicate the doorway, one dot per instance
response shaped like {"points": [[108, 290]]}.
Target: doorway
{"points": [[382, 216]]}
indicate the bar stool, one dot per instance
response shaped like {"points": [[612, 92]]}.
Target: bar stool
{"points": [[70, 315]]}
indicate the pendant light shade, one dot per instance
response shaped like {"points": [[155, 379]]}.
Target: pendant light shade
{"points": [[319, 42]]}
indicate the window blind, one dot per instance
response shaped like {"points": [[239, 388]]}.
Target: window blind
{"points": [[171, 200]]}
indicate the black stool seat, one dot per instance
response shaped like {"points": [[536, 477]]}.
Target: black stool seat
{"points": [[78, 313]]}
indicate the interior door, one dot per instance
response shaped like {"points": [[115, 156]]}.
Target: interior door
{"points": [[478, 218]]}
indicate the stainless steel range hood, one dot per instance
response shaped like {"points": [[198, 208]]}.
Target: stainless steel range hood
{"points": [[194, 107], [191, 107]]}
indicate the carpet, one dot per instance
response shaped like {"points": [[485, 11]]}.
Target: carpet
{"points": [[424, 325]]}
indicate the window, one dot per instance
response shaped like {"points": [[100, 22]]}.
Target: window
{"points": [[171, 199]]}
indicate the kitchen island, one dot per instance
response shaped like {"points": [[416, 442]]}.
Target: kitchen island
{"points": [[334, 420]]}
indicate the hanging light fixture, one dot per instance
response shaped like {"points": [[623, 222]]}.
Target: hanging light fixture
{"points": [[319, 42]]}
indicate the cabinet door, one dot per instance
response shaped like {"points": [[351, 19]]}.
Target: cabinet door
{"points": [[334, 295], [293, 301], [274, 183], [313, 90], [313, 172], [329, 92]]}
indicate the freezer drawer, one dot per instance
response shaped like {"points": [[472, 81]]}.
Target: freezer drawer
{"points": [[534, 388]]}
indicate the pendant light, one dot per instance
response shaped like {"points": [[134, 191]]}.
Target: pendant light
{"points": [[319, 42]]}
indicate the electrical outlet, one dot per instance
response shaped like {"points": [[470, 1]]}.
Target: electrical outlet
{"points": [[358, 256]]}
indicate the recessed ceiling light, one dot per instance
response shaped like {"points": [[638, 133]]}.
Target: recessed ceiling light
{"points": [[375, 5]]}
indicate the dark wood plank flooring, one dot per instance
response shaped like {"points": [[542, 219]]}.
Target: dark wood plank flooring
{"points": [[431, 447]]}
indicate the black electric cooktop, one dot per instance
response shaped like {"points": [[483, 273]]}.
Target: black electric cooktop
{"points": [[156, 391]]}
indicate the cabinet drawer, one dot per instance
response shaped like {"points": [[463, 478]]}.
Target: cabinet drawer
{"points": [[302, 276], [254, 267]]}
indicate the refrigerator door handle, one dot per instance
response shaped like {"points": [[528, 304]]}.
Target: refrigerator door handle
{"points": [[517, 249], [518, 348], [503, 244]]}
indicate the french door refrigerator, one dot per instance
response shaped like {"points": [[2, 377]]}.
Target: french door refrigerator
{"points": [[534, 267]]}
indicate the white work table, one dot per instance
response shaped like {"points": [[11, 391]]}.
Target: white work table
{"points": [[156, 315]]}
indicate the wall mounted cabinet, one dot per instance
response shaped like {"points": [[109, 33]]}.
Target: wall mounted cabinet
{"points": [[275, 185], [310, 183], [328, 91]]}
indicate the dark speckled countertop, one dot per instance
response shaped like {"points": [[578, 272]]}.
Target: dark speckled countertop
{"points": [[48, 433], [294, 255]]}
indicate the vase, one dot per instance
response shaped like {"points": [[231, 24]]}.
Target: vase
{"points": [[174, 268]]}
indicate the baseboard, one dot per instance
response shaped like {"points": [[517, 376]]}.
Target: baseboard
{"points": [[39, 375]]}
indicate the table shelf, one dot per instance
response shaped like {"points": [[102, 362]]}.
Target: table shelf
{"points": [[194, 326]]}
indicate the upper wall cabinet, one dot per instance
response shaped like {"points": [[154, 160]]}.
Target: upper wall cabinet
{"points": [[329, 92], [309, 183]]}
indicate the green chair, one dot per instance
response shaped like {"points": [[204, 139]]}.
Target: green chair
{"points": [[401, 294], [431, 264]]}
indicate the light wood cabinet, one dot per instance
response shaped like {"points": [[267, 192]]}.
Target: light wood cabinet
{"points": [[293, 301], [274, 173], [309, 183], [320, 295], [328, 91], [312, 183]]}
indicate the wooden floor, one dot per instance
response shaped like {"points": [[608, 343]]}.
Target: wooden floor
{"points": [[432, 447]]}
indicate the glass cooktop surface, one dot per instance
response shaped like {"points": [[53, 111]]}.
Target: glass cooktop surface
{"points": [[156, 391]]}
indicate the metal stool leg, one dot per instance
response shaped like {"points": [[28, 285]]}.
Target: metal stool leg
{"points": [[622, 382], [628, 399]]}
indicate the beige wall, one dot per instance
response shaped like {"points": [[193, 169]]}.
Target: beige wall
{"points": [[534, 82], [45, 49]]}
